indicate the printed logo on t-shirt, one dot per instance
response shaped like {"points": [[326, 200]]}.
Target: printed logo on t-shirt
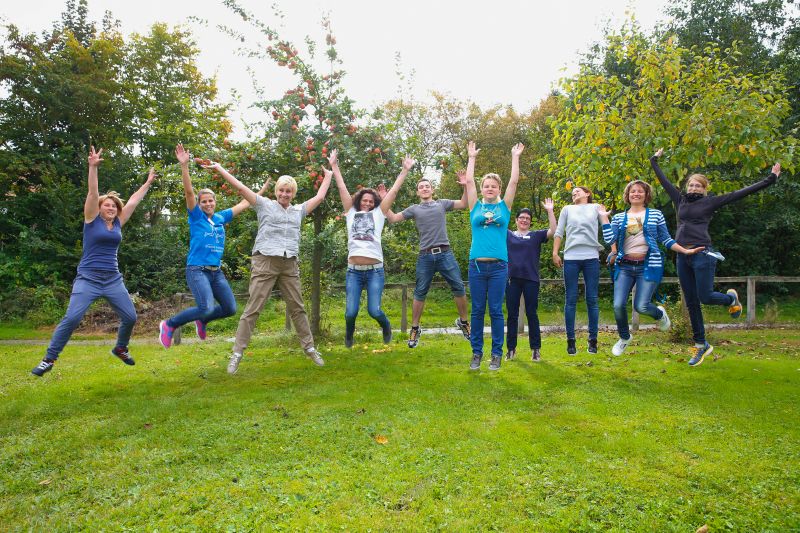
{"points": [[491, 216], [363, 228], [634, 226]]}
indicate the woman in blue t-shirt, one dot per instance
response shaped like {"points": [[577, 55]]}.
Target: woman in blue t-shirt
{"points": [[488, 254], [98, 271], [206, 245]]}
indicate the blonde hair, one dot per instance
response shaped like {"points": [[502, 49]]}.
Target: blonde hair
{"points": [[648, 191], [201, 192], [492, 176], [701, 178], [286, 180], [114, 197]]}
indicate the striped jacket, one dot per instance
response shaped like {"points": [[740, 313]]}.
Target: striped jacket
{"points": [[655, 231]]}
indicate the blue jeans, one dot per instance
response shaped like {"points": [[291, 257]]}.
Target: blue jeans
{"points": [[429, 264], [487, 281], [628, 276], [206, 286], [88, 287], [591, 279], [530, 289], [696, 274], [355, 282]]}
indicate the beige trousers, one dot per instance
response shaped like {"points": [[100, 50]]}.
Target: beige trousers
{"points": [[265, 272]]}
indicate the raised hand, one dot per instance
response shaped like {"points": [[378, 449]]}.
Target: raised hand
{"points": [[207, 163], [461, 177], [659, 153], [328, 173], [381, 190], [548, 204], [333, 159], [94, 157], [601, 210], [265, 187], [776, 169], [471, 150], [408, 163], [151, 176], [517, 149], [182, 154]]}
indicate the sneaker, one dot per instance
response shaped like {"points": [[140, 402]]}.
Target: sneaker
{"points": [[510, 355], [495, 362], [413, 336], [387, 334], [536, 355], [664, 322], [233, 363], [348, 340], [122, 353], [571, 350], [45, 366], [592, 346], [621, 344], [463, 325], [475, 364], [315, 356], [200, 328], [700, 354], [165, 334], [735, 310]]}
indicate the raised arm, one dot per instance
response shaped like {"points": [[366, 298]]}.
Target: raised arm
{"points": [[673, 192], [724, 199], [91, 207], [246, 192], [472, 192], [244, 204], [511, 190], [461, 176], [136, 198], [184, 157], [388, 199], [551, 217], [344, 194], [314, 202]]}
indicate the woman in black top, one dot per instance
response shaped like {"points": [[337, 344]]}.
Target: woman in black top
{"points": [[696, 272]]}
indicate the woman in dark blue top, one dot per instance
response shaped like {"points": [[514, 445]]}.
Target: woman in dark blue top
{"points": [[98, 272]]}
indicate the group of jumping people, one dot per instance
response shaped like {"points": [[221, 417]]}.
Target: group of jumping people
{"points": [[503, 264]]}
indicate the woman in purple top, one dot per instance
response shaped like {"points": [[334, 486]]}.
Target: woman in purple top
{"points": [[696, 272], [524, 249], [98, 272]]}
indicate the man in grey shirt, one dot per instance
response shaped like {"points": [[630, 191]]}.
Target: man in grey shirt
{"points": [[434, 253]]}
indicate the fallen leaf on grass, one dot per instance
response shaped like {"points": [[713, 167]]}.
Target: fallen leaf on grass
{"points": [[380, 350], [380, 439], [361, 411], [702, 529], [681, 360], [663, 370], [45, 482], [148, 425], [589, 363]]}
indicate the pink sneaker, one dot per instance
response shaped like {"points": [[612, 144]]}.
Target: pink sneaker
{"points": [[200, 328], [165, 334]]}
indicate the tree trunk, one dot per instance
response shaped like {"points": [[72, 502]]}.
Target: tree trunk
{"points": [[316, 267]]}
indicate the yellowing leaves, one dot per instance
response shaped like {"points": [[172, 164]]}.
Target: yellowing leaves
{"points": [[381, 439], [600, 142], [568, 186]]}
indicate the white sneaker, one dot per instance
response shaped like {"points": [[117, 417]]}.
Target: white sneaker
{"points": [[664, 322], [315, 356], [620, 346], [233, 364]]}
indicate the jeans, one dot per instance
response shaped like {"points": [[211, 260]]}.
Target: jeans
{"points": [[355, 282], [487, 281], [88, 287], [696, 274], [591, 278], [206, 286], [530, 290], [628, 276], [430, 264]]}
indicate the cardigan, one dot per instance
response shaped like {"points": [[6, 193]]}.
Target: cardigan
{"points": [[655, 231]]}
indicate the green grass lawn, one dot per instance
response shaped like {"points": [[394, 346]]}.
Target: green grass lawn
{"points": [[636, 443]]}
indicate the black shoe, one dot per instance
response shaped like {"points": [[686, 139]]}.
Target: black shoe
{"points": [[348, 340], [510, 355], [463, 325], [571, 350], [413, 336], [387, 334], [536, 355], [475, 364], [592, 345], [43, 368], [495, 362], [122, 353]]}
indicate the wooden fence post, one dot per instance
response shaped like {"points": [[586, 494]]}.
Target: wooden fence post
{"points": [[751, 301]]}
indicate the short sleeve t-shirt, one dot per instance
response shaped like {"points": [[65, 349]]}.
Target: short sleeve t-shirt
{"points": [[524, 253], [489, 225], [364, 230], [207, 236], [431, 222], [635, 242], [100, 245]]}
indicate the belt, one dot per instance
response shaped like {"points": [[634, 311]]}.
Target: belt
{"points": [[209, 267], [633, 262], [365, 267], [487, 260], [436, 249]]}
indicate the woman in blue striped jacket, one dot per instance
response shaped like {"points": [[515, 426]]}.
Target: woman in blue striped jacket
{"points": [[635, 234]]}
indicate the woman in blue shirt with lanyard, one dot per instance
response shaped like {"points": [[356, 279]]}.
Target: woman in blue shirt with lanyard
{"points": [[98, 272], [488, 254], [206, 245]]}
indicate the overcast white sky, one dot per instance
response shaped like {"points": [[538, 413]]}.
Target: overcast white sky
{"points": [[489, 52]]}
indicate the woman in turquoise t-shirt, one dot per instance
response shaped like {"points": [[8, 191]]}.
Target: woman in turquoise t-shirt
{"points": [[488, 254]]}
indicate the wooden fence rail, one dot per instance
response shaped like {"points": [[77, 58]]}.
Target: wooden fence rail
{"points": [[751, 281]]}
